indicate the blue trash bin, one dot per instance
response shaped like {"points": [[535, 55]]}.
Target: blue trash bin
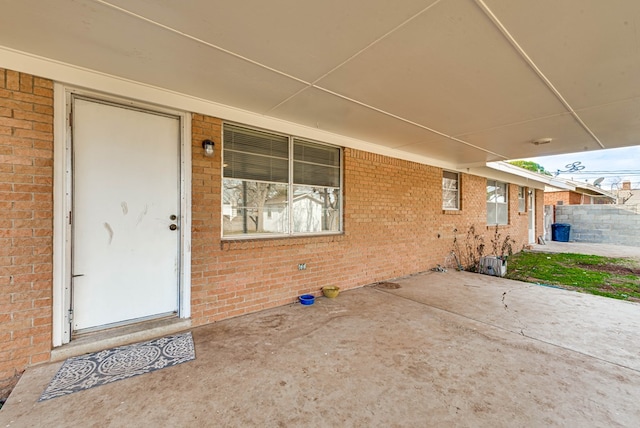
{"points": [[560, 232]]}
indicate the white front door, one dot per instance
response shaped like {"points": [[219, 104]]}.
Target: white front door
{"points": [[126, 200], [532, 216]]}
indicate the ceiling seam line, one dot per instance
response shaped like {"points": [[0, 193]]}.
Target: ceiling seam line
{"points": [[308, 84], [535, 68], [376, 41], [111, 76], [610, 103], [522, 122], [442, 134], [288, 98], [385, 35], [203, 42]]}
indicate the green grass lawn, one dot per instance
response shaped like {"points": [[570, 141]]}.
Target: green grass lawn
{"points": [[604, 276]]}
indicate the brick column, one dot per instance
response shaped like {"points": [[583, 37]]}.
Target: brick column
{"points": [[26, 227]]}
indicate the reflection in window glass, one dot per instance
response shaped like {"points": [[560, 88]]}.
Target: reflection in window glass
{"points": [[497, 202], [276, 184], [254, 207], [450, 191], [316, 209], [521, 199]]}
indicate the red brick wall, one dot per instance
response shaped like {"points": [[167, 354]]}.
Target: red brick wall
{"points": [[26, 212], [552, 198], [394, 225], [568, 198], [579, 199]]}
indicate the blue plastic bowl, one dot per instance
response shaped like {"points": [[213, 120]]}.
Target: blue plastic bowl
{"points": [[307, 299]]}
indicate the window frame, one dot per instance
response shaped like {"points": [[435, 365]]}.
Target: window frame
{"points": [[522, 199], [457, 190], [291, 186], [496, 184]]}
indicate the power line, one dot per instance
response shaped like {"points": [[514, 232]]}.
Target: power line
{"points": [[594, 173], [609, 171]]}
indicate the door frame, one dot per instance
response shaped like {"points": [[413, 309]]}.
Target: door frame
{"points": [[62, 204], [531, 215]]}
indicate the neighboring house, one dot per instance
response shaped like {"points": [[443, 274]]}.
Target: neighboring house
{"points": [[166, 165], [581, 193], [628, 195]]}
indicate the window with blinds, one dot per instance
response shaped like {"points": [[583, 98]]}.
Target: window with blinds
{"points": [[522, 205], [255, 155], [315, 164], [276, 184], [450, 190], [497, 202]]}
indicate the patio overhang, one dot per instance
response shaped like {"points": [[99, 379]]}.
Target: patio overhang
{"points": [[586, 189], [523, 177], [450, 82]]}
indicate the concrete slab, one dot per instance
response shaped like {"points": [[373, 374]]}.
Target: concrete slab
{"points": [[606, 250], [444, 349]]}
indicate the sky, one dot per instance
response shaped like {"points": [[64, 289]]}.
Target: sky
{"points": [[615, 165]]}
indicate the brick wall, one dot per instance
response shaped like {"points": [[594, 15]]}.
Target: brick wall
{"points": [[394, 225], [554, 198], [568, 198], [26, 212]]}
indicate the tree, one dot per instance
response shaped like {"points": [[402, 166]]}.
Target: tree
{"points": [[250, 197], [531, 166]]}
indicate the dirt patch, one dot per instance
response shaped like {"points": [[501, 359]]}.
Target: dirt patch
{"points": [[7, 386], [611, 268], [613, 289], [388, 285]]}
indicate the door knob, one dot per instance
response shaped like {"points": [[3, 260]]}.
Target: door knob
{"points": [[173, 227]]}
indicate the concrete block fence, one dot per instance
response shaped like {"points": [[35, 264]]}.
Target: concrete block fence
{"points": [[607, 224]]}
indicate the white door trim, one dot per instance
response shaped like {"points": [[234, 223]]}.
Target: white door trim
{"points": [[531, 215], [62, 206]]}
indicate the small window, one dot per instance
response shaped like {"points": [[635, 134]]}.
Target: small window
{"points": [[522, 205], [279, 185], [450, 190], [497, 202]]}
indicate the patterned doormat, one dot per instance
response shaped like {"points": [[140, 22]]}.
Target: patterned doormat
{"points": [[99, 368]]}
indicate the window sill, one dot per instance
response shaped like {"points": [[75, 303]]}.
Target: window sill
{"points": [[499, 226], [452, 212], [249, 242], [522, 213], [269, 236]]}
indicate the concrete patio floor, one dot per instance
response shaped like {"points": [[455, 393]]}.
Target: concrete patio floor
{"points": [[444, 349]]}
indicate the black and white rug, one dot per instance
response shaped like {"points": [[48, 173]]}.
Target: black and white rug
{"points": [[99, 368]]}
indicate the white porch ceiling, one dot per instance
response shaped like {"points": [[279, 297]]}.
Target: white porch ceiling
{"points": [[460, 81]]}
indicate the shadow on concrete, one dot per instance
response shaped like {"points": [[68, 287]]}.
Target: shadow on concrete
{"points": [[449, 348]]}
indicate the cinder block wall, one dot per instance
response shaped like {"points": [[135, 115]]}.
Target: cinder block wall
{"points": [[608, 224], [394, 226], [26, 212]]}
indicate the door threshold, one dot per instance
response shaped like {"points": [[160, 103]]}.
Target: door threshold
{"points": [[137, 323], [119, 336]]}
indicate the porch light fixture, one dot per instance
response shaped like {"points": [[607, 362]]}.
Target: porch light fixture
{"points": [[541, 141], [207, 145]]}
